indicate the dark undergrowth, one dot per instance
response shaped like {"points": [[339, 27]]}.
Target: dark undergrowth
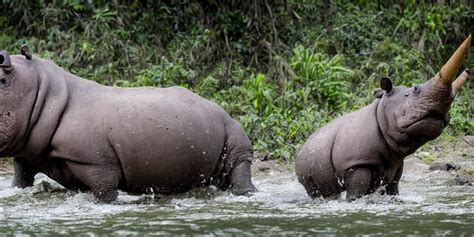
{"points": [[282, 68]]}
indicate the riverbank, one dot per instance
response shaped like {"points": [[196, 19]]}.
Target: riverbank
{"points": [[6, 167]]}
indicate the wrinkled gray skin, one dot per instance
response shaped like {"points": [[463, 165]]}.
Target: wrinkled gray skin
{"points": [[92, 137], [364, 149]]}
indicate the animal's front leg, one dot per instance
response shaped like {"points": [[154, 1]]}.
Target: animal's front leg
{"points": [[392, 187], [24, 173], [103, 181], [357, 182]]}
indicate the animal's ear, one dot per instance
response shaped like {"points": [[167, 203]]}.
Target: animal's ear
{"points": [[386, 84], [25, 51], [378, 93]]}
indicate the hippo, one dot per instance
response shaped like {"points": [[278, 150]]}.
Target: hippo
{"points": [[87, 136], [363, 151]]}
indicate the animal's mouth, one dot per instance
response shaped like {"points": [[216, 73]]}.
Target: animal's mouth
{"points": [[433, 115], [430, 126]]}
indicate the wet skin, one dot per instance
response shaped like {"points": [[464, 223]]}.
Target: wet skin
{"points": [[363, 150], [92, 137]]}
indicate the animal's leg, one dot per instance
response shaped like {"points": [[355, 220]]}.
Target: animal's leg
{"points": [[324, 180], [309, 186], [357, 182], [103, 181], [24, 173], [392, 187], [240, 179], [328, 187], [240, 153]]}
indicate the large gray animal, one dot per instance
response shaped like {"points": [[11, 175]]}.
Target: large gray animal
{"points": [[92, 137], [363, 150]]}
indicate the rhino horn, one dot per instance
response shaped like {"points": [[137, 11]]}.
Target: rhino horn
{"points": [[457, 84], [449, 70], [5, 62]]}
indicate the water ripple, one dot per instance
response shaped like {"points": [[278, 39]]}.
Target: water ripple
{"points": [[428, 204]]}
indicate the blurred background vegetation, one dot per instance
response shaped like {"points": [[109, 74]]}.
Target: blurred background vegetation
{"points": [[283, 68]]}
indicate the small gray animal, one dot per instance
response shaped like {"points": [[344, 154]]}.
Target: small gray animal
{"points": [[92, 137], [363, 150]]}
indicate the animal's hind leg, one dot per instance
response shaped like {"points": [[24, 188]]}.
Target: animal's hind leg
{"points": [[240, 153], [357, 182], [240, 179], [309, 186], [320, 179], [329, 187]]}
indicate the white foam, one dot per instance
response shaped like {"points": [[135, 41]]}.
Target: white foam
{"points": [[279, 195]]}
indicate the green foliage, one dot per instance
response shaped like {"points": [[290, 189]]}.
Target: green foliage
{"points": [[282, 68], [259, 94], [324, 80], [462, 121], [427, 157]]}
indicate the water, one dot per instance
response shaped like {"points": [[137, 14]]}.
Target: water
{"points": [[429, 204]]}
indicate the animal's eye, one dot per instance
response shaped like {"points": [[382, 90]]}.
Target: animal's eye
{"points": [[3, 81], [407, 94]]}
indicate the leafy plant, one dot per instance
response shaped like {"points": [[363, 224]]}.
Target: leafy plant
{"points": [[281, 68]]}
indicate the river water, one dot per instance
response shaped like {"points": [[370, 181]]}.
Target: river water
{"points": [[429, 204]]}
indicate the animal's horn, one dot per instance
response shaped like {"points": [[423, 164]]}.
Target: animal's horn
{"points": [[457, 84], [449, 70], [5, 62]]}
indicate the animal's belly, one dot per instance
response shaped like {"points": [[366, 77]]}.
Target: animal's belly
{"points": [[170, 162], [168, 172]]}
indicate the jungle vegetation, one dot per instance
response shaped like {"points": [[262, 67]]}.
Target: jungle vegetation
{"points": [[282, 68]]}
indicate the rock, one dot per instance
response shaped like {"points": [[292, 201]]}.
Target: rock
{"points": [[6, 167], [443, 167], [469, 139], [265, 158], [461, 180], [263, 165], [414, 165], [269, 166]]}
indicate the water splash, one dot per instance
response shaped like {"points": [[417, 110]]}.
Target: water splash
{"points": [[427, 200]]}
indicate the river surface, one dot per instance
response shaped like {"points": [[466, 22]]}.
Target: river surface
{"points": [[429, 204]]}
